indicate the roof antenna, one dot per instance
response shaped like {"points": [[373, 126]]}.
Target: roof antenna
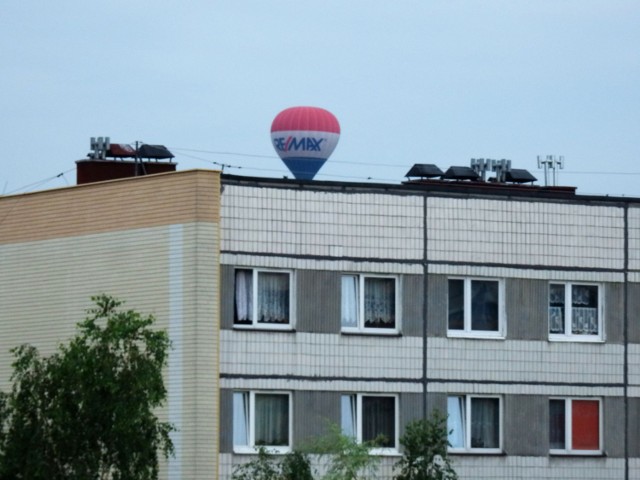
{"points": [[551, 162]]}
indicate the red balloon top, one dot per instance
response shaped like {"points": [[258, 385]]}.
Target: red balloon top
{"points": [[305, 118]]}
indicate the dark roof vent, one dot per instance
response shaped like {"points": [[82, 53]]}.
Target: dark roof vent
{"points": [[519, 175], [156, 152], [460, 173], [424, 170]]}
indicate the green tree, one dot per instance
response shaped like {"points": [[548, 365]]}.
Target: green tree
{"points": [[266, 466], [345, 458], [425, 444], [86, 412]]}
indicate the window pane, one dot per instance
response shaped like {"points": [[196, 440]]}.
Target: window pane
{"points": [[585, 426], [348, 411], [272, 419], [273, 297], [456, 304], [350, 302], [556, 308], [484, 305], [557, 424], [243, 297], [584, 310], [240, 418], [455, 421], [485, 423], [378, 420], [379, 302]]}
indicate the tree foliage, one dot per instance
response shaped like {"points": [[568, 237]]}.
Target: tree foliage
{"points": [[266, 466], [345, 458], [86, 412], [425, 455]]}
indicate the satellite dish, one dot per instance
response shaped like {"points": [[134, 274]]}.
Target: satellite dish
{"points": [[304, 137]]}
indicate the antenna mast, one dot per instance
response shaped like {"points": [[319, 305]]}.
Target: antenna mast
{"points": [[550, 162]]}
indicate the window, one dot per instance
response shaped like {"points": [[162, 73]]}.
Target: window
{"points": [[371, 417], [369, 303], [575, 426], [262, 298], [476, 307], [261, 419], [474, 424], [575, 312]]}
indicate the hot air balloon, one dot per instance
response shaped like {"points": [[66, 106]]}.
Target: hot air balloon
{"points": [[304, 137]]}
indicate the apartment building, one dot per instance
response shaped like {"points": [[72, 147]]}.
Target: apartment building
{"points": [[512, 308], [293, 304]]}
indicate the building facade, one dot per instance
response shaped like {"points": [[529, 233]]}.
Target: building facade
{"points": [[296, 304], [513, 310]]}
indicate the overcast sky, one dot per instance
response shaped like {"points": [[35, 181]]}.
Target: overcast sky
{"points": [[410, 81]]}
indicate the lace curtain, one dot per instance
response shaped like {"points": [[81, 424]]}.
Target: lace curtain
{"points": [[584, 300], [584, 309], [273, 297], [379, 302]]}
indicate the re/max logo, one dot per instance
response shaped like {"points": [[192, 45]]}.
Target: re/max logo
{"points": [[307, 144]]}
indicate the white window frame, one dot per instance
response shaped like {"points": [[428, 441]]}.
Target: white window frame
{"points": [[568, 336], [255, 272], [467, 425], [359, 396], [568, 435], [361, 328], [467, 331], [251, 447]]}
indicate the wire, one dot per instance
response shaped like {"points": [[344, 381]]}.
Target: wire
{"points": [[42, 182]]}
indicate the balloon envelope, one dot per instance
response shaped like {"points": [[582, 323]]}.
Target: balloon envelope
{"points": [[304, 137]]}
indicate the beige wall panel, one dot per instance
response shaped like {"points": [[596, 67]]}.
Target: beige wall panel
{"points": [[127, 238], [526, 233], [307, 222], [164, 199]]}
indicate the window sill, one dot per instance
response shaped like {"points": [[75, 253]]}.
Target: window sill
{"points": [[251, 328], [577, 454], [475, 335], [575, 339], [385, 452], [239, 450], [365, 333], [477, 453]]}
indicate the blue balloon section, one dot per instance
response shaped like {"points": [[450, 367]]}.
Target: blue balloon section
{"points": [[304, 168]]}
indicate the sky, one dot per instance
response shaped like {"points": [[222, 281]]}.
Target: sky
{"points": [[410, 81]]}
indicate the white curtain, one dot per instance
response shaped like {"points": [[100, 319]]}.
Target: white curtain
{"points": [[241, 418], [349, 301], [244, 296], [348, 415], [271, 419], [273, 297], [455, 421], [485, 423], [379, 303]]}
